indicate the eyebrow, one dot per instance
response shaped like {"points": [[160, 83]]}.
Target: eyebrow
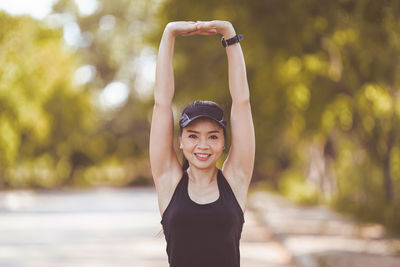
{"points": [[192, 131]]}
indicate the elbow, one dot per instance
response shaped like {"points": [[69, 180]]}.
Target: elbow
{"points": [[163, 96], [240, 95], [241, 101], [162, 104]]}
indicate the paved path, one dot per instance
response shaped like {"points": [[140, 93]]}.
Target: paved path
{"points": [[104, 227], [318, 237], [259, 248]]}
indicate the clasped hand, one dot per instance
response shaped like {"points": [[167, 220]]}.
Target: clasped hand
{"points": [[187, 28]]}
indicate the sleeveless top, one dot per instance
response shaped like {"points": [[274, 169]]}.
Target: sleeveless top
{"points": [[203, 235]]}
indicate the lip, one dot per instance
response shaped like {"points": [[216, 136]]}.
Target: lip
{"points": [[202, 158]]}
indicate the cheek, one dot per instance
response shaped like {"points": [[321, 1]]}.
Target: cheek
{"points": [[187, 144], [219, 145]]}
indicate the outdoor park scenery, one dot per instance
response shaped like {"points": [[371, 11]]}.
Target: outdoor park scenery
{"points": [[76, 97]]}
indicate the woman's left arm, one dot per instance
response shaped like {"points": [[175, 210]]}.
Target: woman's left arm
{"points": [[240, 161]]}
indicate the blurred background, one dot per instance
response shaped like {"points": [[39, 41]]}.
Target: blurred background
{"points": [[76, 81]]}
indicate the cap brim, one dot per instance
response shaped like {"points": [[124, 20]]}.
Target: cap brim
{"points": [[201, 116]]}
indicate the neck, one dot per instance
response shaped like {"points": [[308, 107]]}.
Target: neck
{"points": [[202, 176]]}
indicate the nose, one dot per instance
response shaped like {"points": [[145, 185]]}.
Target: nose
{"points": [[202, 143]]}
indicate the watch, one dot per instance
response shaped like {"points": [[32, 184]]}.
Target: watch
{"points": [[235, 39]]}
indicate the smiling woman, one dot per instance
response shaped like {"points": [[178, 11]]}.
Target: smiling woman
{"points": [[202, 125], [202, 207]]}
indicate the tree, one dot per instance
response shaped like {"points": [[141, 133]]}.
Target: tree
{"points": [[112, 43], [43, 114], [324, 76]]}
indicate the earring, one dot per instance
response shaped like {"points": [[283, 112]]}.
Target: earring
{"points": [[181, 146]]}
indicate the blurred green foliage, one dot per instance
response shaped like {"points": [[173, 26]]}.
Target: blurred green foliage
{"points": [[324, 78], [54, 132], [38, 130], [113, 44]]}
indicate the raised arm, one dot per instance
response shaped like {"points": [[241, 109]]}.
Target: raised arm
{"points": [[240, 161], [163, 158], [162, 154]]}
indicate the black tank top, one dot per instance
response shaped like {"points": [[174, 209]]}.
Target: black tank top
{"points": [[203, 235]]}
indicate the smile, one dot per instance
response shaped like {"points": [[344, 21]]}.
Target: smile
{"points": [[202, 156]]}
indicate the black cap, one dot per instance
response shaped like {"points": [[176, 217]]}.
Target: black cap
{"points": [[202, 109]]}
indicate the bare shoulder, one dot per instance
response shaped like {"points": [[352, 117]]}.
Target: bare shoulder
{"points": [[239, 183], [165, 187]]}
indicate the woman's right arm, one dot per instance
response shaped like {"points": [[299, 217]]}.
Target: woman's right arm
{"points": [[163, 158]]}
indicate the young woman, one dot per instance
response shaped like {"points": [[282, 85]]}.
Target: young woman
{"points": [[201, 206]]}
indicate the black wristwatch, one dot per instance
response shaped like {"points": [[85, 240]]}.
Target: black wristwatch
{"points": [[235, 39]]}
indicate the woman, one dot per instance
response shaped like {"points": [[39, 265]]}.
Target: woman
{"points": [[201, 206]]}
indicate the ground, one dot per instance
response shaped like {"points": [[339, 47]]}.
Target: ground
{"points": [[121, 227]]}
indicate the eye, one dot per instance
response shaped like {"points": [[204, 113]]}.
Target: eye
{"points": [[192, 136], [214, 137]]}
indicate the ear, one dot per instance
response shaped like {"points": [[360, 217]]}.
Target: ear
{"points": [[180, 141]]}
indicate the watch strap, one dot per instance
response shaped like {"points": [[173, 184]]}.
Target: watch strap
{"points": [[235, 39]]}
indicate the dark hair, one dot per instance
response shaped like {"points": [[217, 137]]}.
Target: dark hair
{"points": [[200, 109]]}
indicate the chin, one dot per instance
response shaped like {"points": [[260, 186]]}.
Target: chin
{"points": [[202, 165]]}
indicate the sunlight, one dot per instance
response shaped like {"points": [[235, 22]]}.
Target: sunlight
{"points": [[86, 7], [114, 95], [37, 9]]}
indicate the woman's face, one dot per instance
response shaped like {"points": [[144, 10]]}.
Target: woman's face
{"points": [[202, 143]]}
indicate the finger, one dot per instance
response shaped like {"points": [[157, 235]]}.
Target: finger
{"points": [[211, 31], [205, 24], [200, 25], [198, 33], [191, 28], [186, 34], [207, 33], [189, 33], [197, 23], [202, 32]]}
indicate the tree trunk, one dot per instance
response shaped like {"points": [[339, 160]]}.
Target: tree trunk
{"points": [[388, 182]]}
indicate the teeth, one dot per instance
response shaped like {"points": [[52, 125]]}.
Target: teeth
{"points": [[202, 155]]}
